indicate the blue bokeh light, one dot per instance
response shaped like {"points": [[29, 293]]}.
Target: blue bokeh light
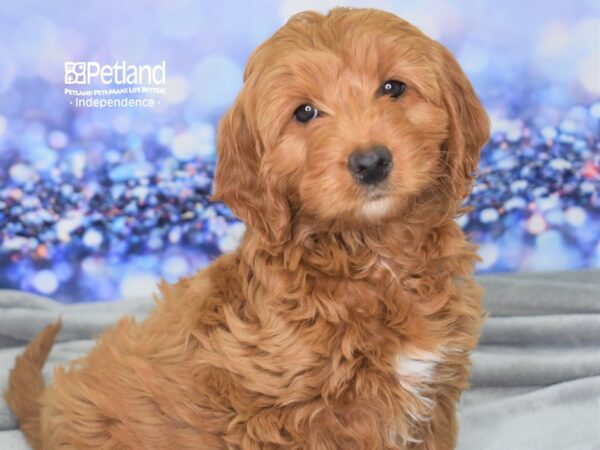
{"points": [[98, 204]]}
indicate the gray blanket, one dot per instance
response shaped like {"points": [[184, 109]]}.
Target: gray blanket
{"points": [[536, 377]]}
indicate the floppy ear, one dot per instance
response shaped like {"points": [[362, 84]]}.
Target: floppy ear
{"points": [[468, 126], [239, 183]]}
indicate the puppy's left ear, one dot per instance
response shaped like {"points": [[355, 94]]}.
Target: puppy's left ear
{"points": [[469, 126]]}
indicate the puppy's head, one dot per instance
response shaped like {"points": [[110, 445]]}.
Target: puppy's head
{"points": [[346, 118]]}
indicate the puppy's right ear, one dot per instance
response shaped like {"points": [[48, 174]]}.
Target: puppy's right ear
{"points": [[237, 165], [238, 182]]}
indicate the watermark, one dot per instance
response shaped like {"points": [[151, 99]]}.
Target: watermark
{"points": [[86, 72], [131, 86]]}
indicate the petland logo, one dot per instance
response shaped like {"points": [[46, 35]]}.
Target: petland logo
{"points": [[87, 72], [122, 85]]}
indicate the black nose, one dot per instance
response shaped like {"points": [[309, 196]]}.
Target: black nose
{"points": [[370, 167]]}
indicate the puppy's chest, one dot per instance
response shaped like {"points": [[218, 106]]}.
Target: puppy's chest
{"points": [[416, 371], [410, 372]]}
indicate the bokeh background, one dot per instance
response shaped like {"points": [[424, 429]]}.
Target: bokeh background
{"points": [[99, 204]]}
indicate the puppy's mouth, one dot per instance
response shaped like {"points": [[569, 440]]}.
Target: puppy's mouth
{"points": [[377, 206], [376, 192]]}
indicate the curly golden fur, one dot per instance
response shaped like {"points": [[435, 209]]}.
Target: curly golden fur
{"points": [[346, 317]]}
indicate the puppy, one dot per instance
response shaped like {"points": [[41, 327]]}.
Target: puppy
{"points": [[346, 317]]}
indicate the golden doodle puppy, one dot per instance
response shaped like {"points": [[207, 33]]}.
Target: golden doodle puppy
{"points": [[346, 317]]}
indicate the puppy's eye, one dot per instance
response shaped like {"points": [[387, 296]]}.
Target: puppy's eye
{"points": [[305, 113], [393, 88]]}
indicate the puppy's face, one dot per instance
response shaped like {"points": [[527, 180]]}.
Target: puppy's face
{"points": [[354, 133], [345, 118]]}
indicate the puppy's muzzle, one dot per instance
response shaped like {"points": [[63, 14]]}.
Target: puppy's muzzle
{"points": [[370, 167]]}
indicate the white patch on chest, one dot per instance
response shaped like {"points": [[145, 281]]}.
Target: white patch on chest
{"points": [[420, 364], [416, 371]]}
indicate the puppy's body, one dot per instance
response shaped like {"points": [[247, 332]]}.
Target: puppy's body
{"points": [[333, 326]]}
